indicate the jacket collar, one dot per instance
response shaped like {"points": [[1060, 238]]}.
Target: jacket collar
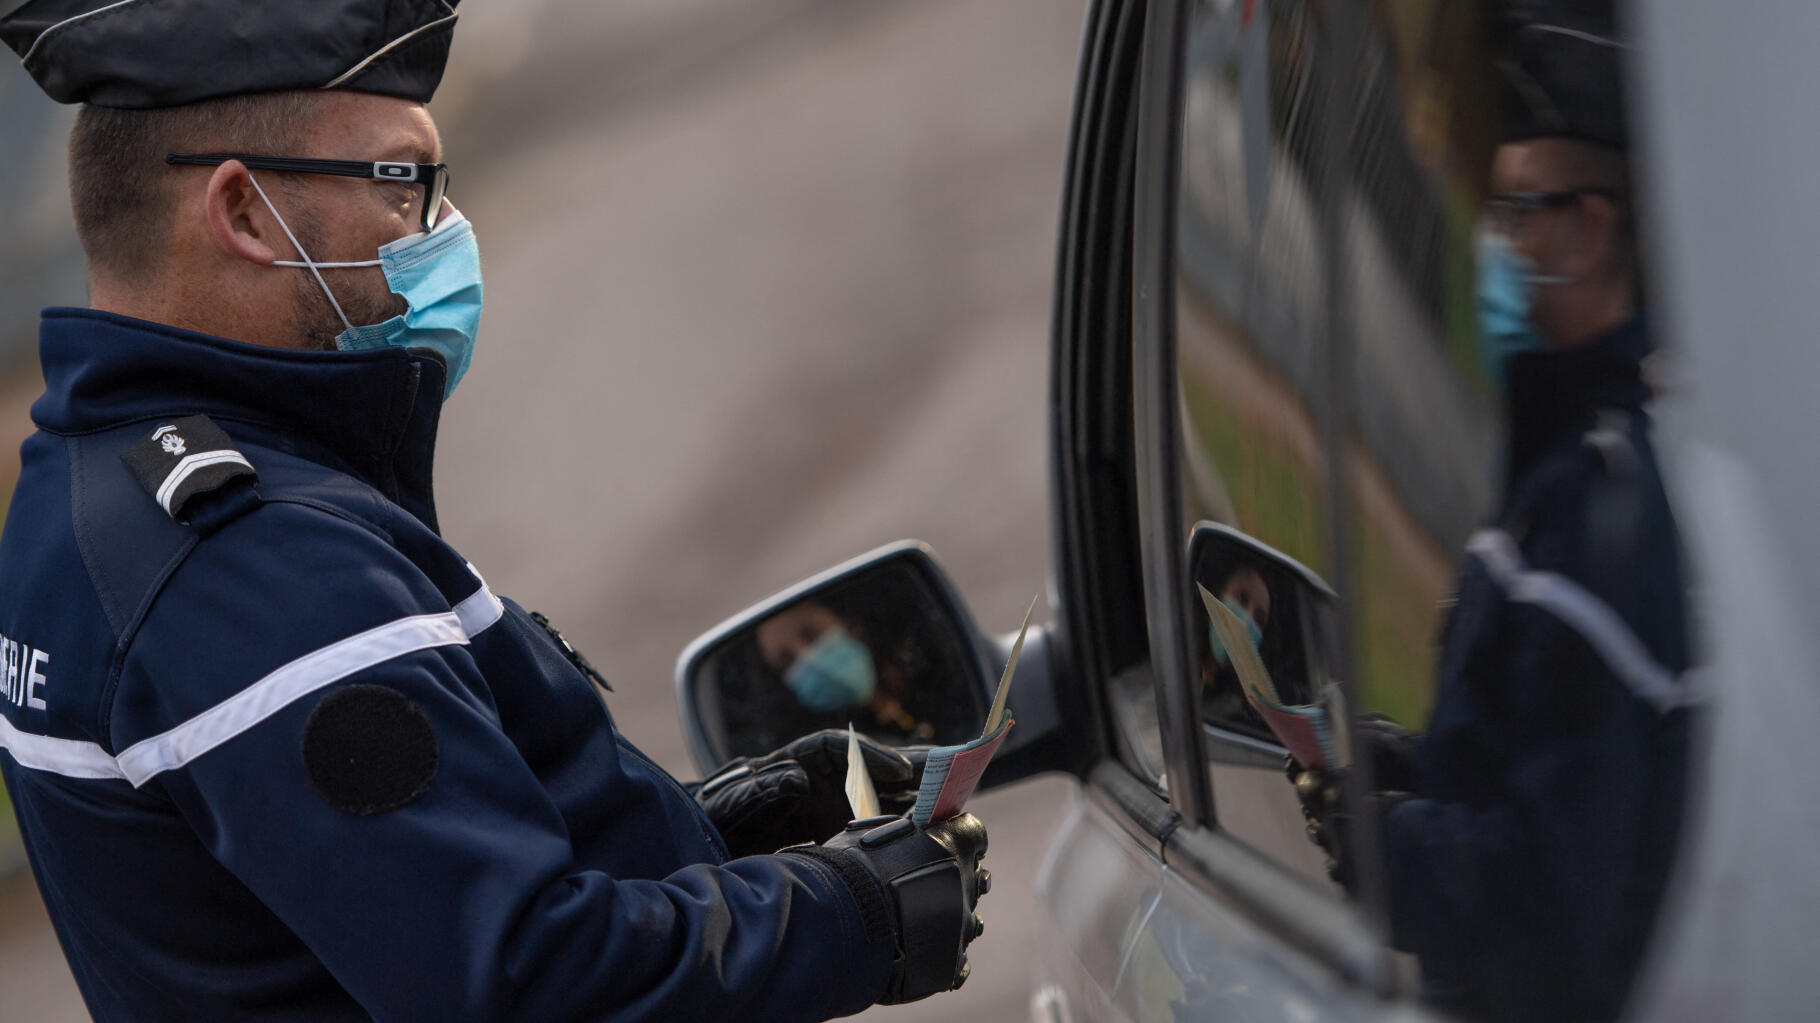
{"points": [[1556, 396], [375, 412]]}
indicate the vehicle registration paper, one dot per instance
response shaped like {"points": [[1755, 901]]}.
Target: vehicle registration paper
{"points": [[951, 773]]}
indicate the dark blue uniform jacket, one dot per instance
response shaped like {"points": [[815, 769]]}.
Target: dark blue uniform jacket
{"points": [[207, 852], [1527, 872]]}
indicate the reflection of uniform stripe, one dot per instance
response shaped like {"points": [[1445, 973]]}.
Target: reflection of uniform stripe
{"points": [[188, 467], [1586, 614], [174, 748]]}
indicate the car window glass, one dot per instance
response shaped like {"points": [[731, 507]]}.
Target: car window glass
{"points": [[1424, 430], [1507, 531], [1252, 355]]}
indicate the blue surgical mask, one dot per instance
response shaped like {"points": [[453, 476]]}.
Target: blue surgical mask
{"points": [[1252, 631], [834, 673], [1506, 299], [437, 273]]}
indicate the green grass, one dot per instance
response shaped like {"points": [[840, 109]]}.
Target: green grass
{"points": [[1280, 500], [1393, 623], [1277, 498]]}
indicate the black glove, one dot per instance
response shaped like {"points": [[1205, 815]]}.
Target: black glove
{"points": [[1319, 793], [1329, 824], [1392, 752], [922, 884], [798, 793]]}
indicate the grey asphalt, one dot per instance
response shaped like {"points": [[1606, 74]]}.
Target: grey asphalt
{"points": [[768, 285]]}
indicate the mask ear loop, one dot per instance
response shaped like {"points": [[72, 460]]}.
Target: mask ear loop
{"points": [[306, 256]]}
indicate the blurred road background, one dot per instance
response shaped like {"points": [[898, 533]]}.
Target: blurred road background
{"points": [[768, 286]]}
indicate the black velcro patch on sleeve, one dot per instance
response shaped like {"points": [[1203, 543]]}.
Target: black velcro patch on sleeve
{"points": [[874, 910], [183, 458], [369, 749]]}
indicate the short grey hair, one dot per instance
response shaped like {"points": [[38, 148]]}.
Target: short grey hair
{"points": [[123, 193]]}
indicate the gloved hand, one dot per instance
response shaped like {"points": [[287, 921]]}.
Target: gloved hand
{"points": [[1392, 752], [1319, 794], [798, 793], [1329, 823], [924, 883]]}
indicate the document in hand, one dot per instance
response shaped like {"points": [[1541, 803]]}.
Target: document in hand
{"points": [[951, 773], [1307, 730]]}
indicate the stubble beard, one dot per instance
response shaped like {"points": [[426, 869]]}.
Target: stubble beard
{"points": [[362, 292]]}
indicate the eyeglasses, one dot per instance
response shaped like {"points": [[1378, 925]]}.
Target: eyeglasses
{"points": [[433, 177], [1511, 208]]}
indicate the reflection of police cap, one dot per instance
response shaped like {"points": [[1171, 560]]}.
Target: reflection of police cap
{"points": [[1559, 64], [164, 53]]}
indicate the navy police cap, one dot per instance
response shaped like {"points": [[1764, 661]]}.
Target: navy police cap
{"points": [[140, 54], [1561, 68]]}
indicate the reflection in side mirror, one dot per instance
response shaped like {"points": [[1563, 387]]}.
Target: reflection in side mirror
{"points": [[1285, 612], [881, 642]]}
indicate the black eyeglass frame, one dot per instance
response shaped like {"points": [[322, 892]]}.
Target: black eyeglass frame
{"points": [[434, 177], [1508, 207]]}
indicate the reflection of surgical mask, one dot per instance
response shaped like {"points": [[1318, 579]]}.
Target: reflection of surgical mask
{"points": [[437, 272], [1506, 299], [834, 673], [1251, 630]]}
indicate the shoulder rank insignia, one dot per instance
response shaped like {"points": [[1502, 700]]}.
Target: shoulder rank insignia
{"points": [[184, 458]]}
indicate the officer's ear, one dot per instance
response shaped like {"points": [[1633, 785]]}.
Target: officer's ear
{"points": [[240, 223]]}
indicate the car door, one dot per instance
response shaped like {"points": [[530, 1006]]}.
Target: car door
{"points": [[1157, 905], [1303, 180], [1236, 356], [1103, 872], [1307, 182]]}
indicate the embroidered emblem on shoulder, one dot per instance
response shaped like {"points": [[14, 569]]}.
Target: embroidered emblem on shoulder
{"points": [[183, 459]]}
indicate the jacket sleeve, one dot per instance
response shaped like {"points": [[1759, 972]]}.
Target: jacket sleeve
{"points": [[1537, 851], [464, 902], [1535, 782]]}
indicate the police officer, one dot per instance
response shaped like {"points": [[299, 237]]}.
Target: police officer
{"points": [[275, 748], [1528, 835]]}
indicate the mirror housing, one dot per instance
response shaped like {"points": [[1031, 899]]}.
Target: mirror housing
{"points": [[882, 640], [1289, 612]]}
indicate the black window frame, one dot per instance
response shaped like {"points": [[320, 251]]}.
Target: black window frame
{"points": [[1346, 937]]}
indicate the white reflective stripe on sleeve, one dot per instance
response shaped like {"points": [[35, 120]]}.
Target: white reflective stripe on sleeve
{"points": [[71, 758], [147, 758], [167, 751], [1577, 608], [479, 611], [189, 465]]}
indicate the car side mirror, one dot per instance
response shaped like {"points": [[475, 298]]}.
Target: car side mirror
{"points": [[1285, 612], [882, 642]]}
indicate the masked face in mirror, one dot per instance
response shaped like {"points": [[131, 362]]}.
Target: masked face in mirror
{"points": [[1246, 595], [1273, 606], [820, 661], [881, 648]]}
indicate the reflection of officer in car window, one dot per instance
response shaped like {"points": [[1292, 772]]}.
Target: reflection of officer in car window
{"points": [[1527, 861]]}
